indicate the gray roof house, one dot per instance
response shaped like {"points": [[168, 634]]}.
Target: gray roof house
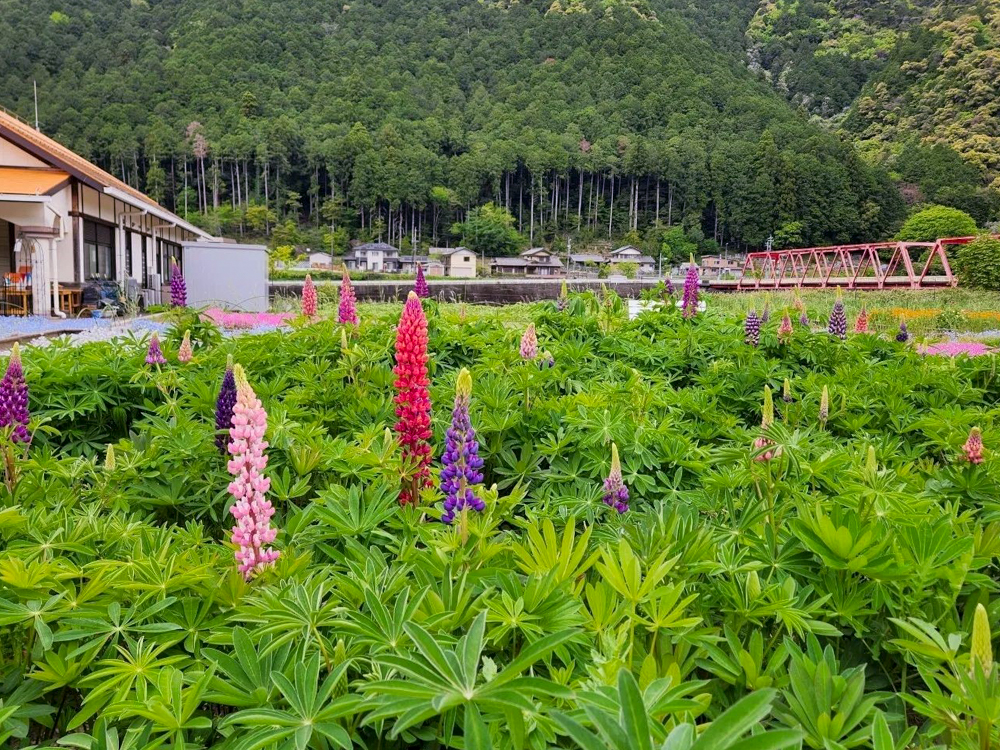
{"points": [[372, 256]]}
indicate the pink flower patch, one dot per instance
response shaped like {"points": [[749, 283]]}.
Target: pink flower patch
{"points": [[955, 348], [247, 321]]}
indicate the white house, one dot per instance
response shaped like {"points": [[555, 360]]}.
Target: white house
{"points": [[65, 221], [372, 256], [319, 260], [458, 262], [536, 261]]}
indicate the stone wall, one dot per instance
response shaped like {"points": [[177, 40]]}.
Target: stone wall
{"points": [[482, 291]]}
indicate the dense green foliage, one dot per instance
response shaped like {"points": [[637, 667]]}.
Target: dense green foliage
{"points": [[935, 222], [394, 118], [978, 264], [838, 579]]}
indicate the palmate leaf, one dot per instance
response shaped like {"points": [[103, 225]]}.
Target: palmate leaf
{"points": [[438, 681]]}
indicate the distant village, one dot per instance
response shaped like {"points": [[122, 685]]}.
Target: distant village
{"points": [[461, 262]]}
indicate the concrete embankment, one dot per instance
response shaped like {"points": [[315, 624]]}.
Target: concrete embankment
{"points": [[481, 291]]}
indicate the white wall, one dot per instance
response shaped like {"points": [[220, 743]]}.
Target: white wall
{"points": [[225, 274]]}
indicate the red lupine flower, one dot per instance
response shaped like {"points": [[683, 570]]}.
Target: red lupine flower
{"points": [[413, 401]]}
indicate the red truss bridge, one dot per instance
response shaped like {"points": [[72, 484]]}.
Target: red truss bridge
{"points": [[876, 265]]}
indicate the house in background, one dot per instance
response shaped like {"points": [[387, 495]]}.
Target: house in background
{"points": [[372, 256], [458, 262], [625, 254], [409, 263], [718, 265], [319, 260], [64, 221], [536, 261]]}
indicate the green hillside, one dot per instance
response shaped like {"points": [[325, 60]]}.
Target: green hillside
{"points": [[596, 117]]}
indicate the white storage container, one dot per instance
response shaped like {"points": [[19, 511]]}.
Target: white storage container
{"points": [[226, 275]]}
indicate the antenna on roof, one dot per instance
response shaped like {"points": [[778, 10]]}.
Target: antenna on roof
{"points": [[35, 84]]}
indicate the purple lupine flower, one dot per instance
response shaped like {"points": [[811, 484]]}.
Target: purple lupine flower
{"points": [[462, 464], [546, 361], [420, 286], [903, 335], [154, 356], [14, 399], [178, 287], [224, 407], [615, 491], [689, 303], [668, 287], [751, 328], [838, 319], [765, 316], [804, 319]]}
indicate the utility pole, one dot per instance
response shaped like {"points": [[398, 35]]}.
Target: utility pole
{"points": [[35, 86]]}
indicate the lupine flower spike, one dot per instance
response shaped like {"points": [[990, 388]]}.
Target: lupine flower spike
{"points": [[348, 311], [420, 286], [615, 492], [766, 420], [902, 335], [689, 303], [765, 315], [838, 319], [973, 448], [253, 531], [824, 406], [529, 343], [461, 473], [413, 402], [14, 399], [185, 353], [109, 459], [751, 328], [981, 651], [668, 287], [546, 361], [343, 340], [861, 322], [785, 329], [786, 392], [224, 407], [563, 296], [178, 287], [154, 356], [309, 297]]}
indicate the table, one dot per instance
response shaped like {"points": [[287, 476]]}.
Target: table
{"points": [[70, 300]]}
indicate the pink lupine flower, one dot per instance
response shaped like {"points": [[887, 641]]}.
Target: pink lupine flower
{"points": [[253, 531], [861, 322], [785, 329], [766, 420], [185, 353], [309, 297], [348, 310], [529, 343], [154, 355], [973, 448]]}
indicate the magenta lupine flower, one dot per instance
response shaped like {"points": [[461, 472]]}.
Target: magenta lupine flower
{"points": [[751, 328], [785, 329], [529, 343], [689, 303], [185, 352], [420, 286], [224, 407], [615, 492], [462, 464], [253, 531], [309, 297], [14, 399], [348, 306], [973, 448], [154, 356], [178, 287]]}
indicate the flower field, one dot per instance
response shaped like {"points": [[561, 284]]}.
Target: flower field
{"points": [[543, 526]]}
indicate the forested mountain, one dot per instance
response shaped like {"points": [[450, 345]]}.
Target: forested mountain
{"points": [[395, 117]]}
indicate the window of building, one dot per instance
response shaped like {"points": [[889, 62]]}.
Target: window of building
{"points": [[128, 253], [98, 250], [466, 258]]}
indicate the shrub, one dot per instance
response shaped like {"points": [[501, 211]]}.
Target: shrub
{"points": [[978, 263], [935, 222]]}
